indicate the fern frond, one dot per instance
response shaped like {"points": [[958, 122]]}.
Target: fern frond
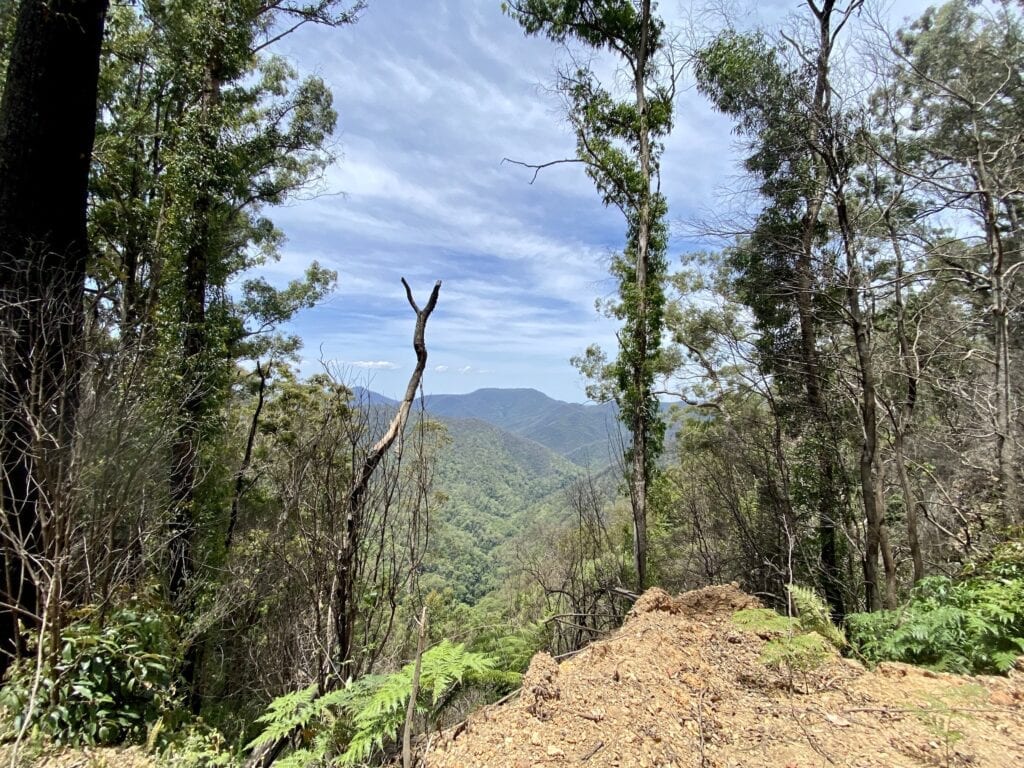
{"points": [[284, 714], [813, 615]]}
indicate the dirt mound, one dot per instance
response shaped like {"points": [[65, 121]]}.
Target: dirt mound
{"points": [[681, 685]]}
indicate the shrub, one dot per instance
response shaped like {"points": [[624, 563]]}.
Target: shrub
{"points": [[974, 625], [114, 675]]}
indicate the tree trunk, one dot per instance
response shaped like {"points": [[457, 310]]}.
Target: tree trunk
{"points": [[344, 608], [641, 418], [904, 417], [47, 128]]}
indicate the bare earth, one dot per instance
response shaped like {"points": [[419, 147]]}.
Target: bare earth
{"points": [[680, 685]]}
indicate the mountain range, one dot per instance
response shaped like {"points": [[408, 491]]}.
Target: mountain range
{"points": [[512, 453], [584, 434]]}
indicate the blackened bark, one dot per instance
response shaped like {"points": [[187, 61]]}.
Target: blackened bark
{"points": [[47, 128]]}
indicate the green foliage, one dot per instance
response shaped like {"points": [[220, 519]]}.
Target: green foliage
{"points": [[114, 676], [797, 653], [194, 746], [763, 620], [495, 484], [813, 615], [800, 644], [975, 625], [353, 722]]}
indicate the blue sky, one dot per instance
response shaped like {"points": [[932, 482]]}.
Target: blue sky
{"points": [[431, 96]]}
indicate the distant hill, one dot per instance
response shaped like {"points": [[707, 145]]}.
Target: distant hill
{"points": [[513, 454], [584, 434]]}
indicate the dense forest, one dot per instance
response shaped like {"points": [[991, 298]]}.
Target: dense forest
{"points": [[211, 553]]}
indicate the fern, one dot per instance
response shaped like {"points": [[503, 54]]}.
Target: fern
{"points": [[443, 667], [352, 723], [813, 615], [284, 715], [797, 653], [974, 625], [763, 620]]}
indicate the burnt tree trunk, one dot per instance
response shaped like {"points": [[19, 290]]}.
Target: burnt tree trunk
{"points": [[47, 128]]}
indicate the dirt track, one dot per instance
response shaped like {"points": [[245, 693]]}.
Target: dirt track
{"points": [[680, 685]]}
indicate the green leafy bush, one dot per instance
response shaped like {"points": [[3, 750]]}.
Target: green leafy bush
{"points": [[351, 723], [974, 625], [114, 675]]}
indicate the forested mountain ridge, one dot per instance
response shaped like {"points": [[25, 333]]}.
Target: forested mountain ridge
{"points": [[495, 484], [584, 434]]}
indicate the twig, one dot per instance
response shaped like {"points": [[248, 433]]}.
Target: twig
{"points": [[927, 710], [593, 751], [538, 167], [410, 710]]}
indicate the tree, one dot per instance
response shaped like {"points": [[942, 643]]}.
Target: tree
{"points": [[959, 68], [47, 128], [777, 274], [618, 141]]}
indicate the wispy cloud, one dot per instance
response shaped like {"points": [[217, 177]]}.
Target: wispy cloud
{"points": [[430, 99], [372, 365]]}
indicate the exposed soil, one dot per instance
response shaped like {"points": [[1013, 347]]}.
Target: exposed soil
{"points": [[680, 685], [87, 757]]}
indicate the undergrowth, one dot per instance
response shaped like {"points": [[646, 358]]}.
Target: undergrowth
{"points": [[350, 724], [797, 644], [112, 676], [974, 625]]}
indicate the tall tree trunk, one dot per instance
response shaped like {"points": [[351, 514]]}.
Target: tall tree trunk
{"points": [[1009, 504], [876, 540], [641, 417], [903, 419], [829, 510], [345, 609], [194, 395], [47, 128]]}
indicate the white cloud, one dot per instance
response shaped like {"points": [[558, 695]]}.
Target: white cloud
{"points": [[373, 365], [440, 368]]}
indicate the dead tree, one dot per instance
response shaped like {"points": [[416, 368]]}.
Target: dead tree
{"points": [[344, 605]]}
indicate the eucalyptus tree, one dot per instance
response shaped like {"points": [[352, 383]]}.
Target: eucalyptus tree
{"points": [[202, 130], [776, 269], [619, 140], [959, 71], [47, 128]]}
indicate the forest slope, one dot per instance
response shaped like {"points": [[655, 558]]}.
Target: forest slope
{"points": [[582, 433], [681, 685], [495, 484]]}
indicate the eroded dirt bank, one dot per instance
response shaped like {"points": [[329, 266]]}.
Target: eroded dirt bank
{"points": [[680, 685]]}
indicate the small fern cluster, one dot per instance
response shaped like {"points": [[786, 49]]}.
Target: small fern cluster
{"points": [[346, 726]]}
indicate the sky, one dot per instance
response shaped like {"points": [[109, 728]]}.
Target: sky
{"points": [[431, 96]]}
